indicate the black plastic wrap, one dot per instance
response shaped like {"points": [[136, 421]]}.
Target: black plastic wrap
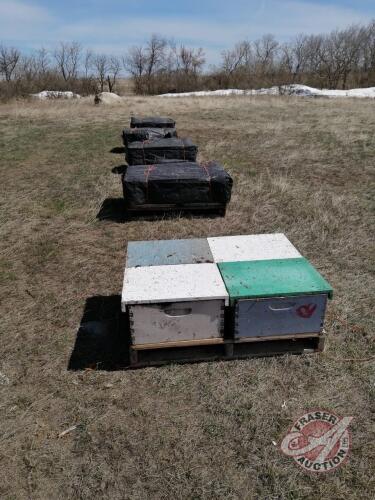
{"points": [[130, 135], [176, 184], [152, 122], [155, 151]]}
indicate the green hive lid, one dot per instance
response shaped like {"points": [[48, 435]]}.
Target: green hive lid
{"points": [[272, 278]]}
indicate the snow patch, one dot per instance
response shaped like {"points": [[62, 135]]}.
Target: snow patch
{"points": [[55, 94], [294, 90], [107, 98]]}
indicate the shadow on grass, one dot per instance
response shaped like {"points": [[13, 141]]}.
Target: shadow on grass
{"points": [[121, 169], [114, 210], [118, 151], [103, 338]]}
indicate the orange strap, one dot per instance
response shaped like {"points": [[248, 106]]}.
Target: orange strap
{"points": [[148, 171], [204, 165]]}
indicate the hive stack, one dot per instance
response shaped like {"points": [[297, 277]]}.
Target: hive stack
{"points": [[225, 297], [163, 173], [130, 135]]}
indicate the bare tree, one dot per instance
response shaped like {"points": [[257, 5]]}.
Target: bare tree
{"points": [[67, 57], [135, 61], [367, 57], [266, 50], [370, 46], [354, 40], [295, 57], [114, 67], [144, 62], [313, 48], [9, 58], [28, 68], [236, 58], [181, 69], [42, 61], [155, 54], [339, 54], [189, 61], [101, 65], [88, 62]]}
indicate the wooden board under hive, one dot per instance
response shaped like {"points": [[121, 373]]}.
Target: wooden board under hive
{"points": [[221, 350]]}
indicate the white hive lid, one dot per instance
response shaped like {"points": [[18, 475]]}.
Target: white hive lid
{"points": [[252, 247], [179, 283]]}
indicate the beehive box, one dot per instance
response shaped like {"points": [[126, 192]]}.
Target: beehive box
{"points": [[252, 247], [176, 186], [174, 303], [130, 135], [152, 122], [275, 297], [168, 252], [155, 151]]}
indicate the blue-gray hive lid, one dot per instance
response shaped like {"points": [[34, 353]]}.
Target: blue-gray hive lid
{"points": [[168, 252]]}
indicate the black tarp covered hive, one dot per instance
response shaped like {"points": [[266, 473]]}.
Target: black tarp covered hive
{"points": [[130, 135], [176, 184], [152, 122], [155, 151]]}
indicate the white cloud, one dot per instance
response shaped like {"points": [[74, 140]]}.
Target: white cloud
{"points": [[31, 25], [282, 18], [20, 21], [134, 30], [291, 17]]}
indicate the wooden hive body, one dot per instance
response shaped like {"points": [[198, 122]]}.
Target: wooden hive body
{"points": [[174, 302], [277, 297]]}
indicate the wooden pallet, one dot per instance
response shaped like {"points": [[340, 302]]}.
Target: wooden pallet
{"points": [[217, 208], [222, 349]]}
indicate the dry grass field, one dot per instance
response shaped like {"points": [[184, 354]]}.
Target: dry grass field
{"points": [[303, 167]]}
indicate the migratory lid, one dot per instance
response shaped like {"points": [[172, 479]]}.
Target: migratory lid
{"points": [[272, 278]]}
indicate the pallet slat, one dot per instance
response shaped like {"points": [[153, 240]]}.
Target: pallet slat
{"points": [[243, 340], [181, 343], [220, 341], [224, 350], [214, 208]]}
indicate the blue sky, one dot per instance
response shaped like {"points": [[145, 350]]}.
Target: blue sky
{"points": [[112, 26]]}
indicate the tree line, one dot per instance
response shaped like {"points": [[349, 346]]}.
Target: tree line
{"points": [[67, 67], [340, 59]]}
